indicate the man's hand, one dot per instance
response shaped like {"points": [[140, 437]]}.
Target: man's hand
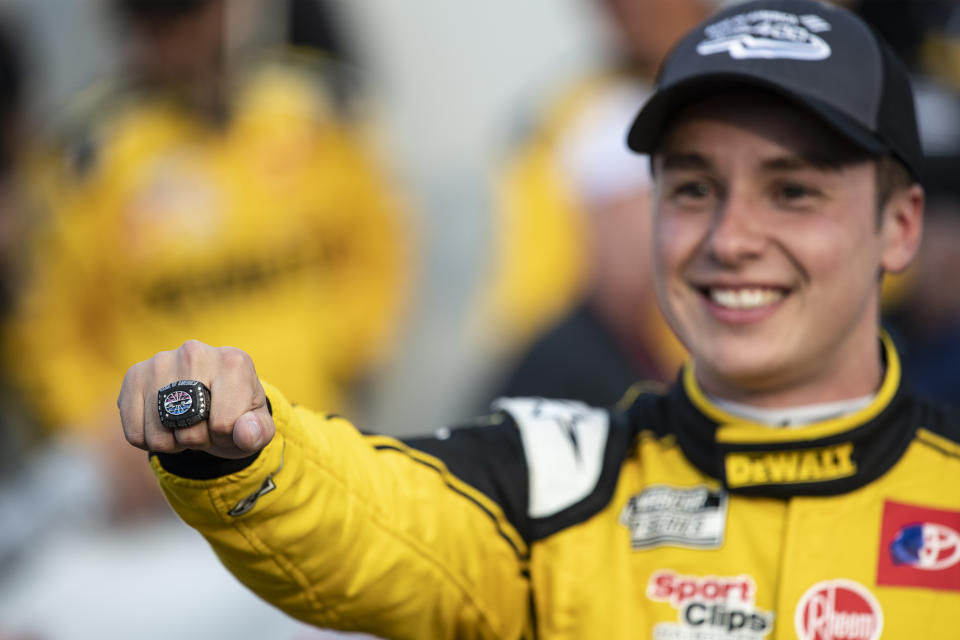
{"points": [[239, 423]]}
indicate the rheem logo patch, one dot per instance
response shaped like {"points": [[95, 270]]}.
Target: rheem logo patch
{"points": [[838, 610]]}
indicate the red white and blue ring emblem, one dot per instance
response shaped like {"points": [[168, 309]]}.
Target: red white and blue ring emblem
{"points": [[177, 403], [927, 546]]}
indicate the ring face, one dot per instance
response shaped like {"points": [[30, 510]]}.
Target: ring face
{"points": [[177, 402], [183, 403]]}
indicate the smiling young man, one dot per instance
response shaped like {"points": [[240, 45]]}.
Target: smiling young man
{"points": [[769, 240], [787, 486]]}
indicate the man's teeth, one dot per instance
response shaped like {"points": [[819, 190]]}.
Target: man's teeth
{"points": [[747, 298]]}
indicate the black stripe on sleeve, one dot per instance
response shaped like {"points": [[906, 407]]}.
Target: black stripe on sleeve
{"points": [[490, 459], [521, 554]]}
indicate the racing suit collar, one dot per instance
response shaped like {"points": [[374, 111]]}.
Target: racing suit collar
{"points": [[822, 458]]}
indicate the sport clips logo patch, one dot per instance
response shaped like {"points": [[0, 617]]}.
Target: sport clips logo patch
{"points": [[709, 607], [919, 547]]}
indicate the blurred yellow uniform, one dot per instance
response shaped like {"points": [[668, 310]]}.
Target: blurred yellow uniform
{"points": [[169, 228], [568, 167], [539, 260]]}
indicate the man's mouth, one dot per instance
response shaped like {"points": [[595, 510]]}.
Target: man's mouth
{"points": [[744, 297]]}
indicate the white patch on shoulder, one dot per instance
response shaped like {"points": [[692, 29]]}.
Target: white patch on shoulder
{"points": [[564, 442]]}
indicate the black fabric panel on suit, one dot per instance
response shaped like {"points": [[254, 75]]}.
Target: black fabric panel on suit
{"points": [[490, 459], [941, 419]]}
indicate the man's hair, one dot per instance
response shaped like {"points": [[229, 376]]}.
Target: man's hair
{"points": [[892, 176]]}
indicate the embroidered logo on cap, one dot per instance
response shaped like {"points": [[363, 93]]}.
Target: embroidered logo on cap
{"points": [[919, 547], [838, 610], [767, 34]]}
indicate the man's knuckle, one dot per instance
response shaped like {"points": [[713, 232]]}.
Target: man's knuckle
{"points": [[234, 358], [160, 363], [135, 438], [192, 350], [221, 427], [157, 443], [192, 437], [132, 374]]}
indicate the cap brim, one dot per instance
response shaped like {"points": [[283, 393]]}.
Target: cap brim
{"points": [[655, 115]]}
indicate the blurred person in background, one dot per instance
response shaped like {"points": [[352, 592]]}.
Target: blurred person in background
{"points": [[925, 34], [28, 473], [28, 492], [17, 435], [223, 181], [570, 301], [922, 307], [214, 187], [923, 313], [14, 226]]}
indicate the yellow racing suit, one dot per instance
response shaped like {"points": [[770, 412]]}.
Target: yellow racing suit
{"points": [[664, 518]]}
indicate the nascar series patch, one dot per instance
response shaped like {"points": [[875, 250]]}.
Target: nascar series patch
{"points": [[676, 516]]}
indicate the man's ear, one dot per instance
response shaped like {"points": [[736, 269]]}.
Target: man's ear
{"points": [[901, 224]]}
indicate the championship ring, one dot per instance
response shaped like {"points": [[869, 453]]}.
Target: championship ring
{"points": [[183, 403]]}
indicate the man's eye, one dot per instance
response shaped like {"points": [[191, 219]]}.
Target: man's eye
{"points": [[697, 190], [792, 192]]}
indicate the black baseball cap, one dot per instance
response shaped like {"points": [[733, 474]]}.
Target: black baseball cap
{"points": [[819, 56]]}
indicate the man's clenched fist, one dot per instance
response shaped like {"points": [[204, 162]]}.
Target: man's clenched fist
{"points": [[239, 423]]}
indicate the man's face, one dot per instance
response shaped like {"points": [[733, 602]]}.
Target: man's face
{"points": [[767, 250]]}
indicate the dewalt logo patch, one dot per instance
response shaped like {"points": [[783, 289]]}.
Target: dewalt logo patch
{"points": [[820, 464]]}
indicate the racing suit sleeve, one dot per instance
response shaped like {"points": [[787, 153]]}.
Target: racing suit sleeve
{"points": [[361, 533]]}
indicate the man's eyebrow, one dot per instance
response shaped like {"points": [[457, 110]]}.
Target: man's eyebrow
{"points": [[679, 161], [821, 161], [693, 161]]}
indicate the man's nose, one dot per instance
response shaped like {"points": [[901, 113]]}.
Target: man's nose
{"points": [[736, 230]]}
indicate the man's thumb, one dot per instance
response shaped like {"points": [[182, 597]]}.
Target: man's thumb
{"points": [[250, 434]]}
